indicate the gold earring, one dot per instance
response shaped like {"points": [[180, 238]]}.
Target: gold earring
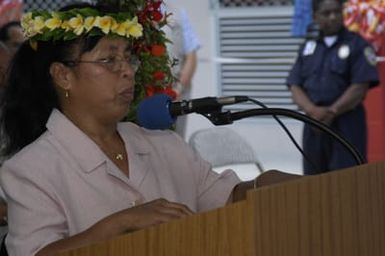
{"points": [[67, 94]]}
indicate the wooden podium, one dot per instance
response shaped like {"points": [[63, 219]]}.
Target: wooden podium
{"points": [[338, 213]]}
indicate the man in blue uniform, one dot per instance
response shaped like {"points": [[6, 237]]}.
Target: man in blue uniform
{"points": [[329, 81]]}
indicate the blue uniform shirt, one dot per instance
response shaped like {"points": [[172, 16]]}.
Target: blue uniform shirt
{"points": [[325, 72]]}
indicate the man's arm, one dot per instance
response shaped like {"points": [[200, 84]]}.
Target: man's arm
{"points": [[319, 113], [301, 99], [188, 70], [353, 96]]}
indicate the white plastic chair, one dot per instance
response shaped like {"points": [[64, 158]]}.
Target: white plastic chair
{"points": [[224, 148]]}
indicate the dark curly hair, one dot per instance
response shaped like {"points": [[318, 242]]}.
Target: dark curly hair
{"points": [[316, 4]]}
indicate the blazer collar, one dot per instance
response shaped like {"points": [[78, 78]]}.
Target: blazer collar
{"points": [[83, 149]]}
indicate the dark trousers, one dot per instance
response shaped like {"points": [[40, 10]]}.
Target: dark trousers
{"points": [[324, 152]]}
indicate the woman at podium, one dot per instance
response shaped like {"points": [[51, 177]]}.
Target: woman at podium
{"points": [[77, 174]]}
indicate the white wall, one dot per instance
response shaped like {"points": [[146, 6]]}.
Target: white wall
{"points": [[273, 146]]}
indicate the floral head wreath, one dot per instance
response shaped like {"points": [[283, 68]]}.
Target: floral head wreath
{"points": [[67, 25], [140, 21]]}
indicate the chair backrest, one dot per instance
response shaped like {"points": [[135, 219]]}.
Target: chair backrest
{"points": [[222, 146]]}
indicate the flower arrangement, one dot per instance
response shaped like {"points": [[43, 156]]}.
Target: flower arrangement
{"points": [[366, 17], [138, 20], [154, 75]]}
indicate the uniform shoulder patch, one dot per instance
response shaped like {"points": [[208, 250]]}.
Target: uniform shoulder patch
{"points": [[370, 55], [309, 48]]}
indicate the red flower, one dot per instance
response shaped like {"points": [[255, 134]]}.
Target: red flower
{"points": [[151, 11], [153, 6], [156, 5], [142, 17], [152, 90], [140, 47], [156, 16], [170, 92], [157, 50], [158, 75]]}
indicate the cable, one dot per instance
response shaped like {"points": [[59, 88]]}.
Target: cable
{"points": [[228, 117], [288, 133]]}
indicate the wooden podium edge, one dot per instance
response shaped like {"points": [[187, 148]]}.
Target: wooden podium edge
{"points": [[336, 213]]}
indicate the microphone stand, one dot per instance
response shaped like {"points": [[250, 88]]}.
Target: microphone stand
{"points": [[222, 118]]}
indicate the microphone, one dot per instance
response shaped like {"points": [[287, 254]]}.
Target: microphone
{"points": [[159, 112]]}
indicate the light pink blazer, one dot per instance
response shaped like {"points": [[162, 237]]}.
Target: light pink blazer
{"points": [[62, 183]]}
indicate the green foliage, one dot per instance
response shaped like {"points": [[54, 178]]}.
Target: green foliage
{"points": [[152, 35]]}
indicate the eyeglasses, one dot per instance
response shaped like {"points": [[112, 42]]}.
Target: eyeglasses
{"points": [[113, 63]]}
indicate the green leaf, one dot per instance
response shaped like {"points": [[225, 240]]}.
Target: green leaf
{"points": [[86, 12], [69, 36]]}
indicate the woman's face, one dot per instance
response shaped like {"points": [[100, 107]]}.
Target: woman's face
{"points": [[102, 83], [329, 17]]}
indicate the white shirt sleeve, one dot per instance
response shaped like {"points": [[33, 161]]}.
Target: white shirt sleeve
{"points": [[190, 39]]}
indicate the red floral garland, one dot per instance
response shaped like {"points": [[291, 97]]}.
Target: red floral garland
{"points": [[367, 17], [154, 75], [153, 49]]}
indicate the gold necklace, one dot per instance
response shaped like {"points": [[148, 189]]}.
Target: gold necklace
{"points": [[119, 157]]}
